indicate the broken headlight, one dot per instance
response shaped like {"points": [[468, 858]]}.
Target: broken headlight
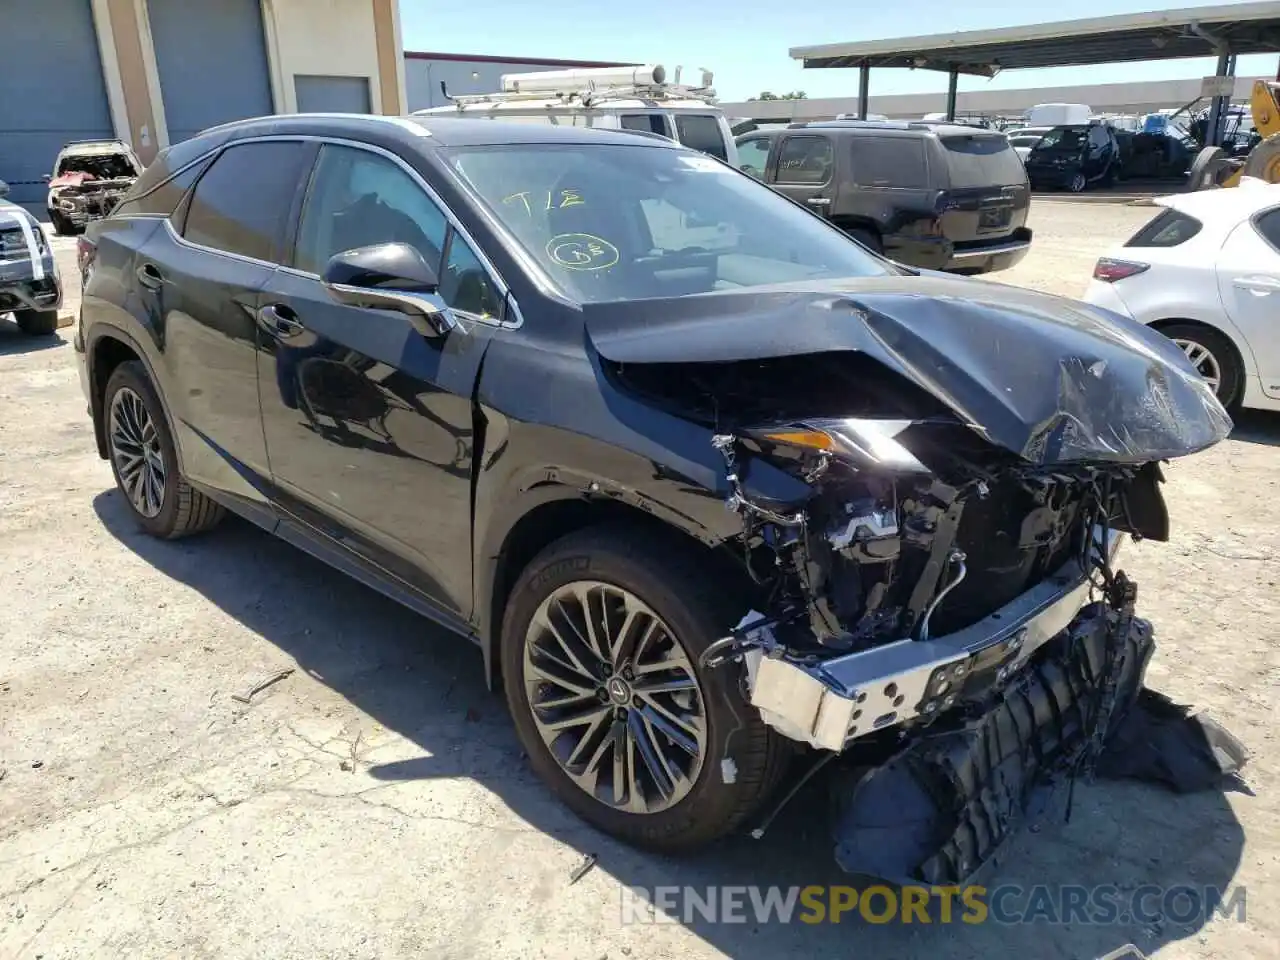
{"points": [[859, 442]]}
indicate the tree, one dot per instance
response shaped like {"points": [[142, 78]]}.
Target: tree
{"points": [[793, 95]]}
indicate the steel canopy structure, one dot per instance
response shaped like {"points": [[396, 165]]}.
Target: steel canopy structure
{"points": [[1224, 31]]}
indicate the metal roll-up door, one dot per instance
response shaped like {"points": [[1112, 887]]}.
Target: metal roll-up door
{"points": [[211, 58], [51, 91]]}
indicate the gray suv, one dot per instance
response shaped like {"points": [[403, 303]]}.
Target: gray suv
{"points": [[936, 196]]}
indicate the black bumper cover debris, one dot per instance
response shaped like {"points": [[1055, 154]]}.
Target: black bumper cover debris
{"points": [[940, 809]]}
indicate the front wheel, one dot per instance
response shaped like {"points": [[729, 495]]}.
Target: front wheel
{"points": [[1077, 183], [600, 647]]}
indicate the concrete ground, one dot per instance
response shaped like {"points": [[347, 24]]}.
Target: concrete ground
{"points": [[375, 803]]}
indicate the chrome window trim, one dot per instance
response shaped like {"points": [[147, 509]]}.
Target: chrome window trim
{"points": [[503, 290]]}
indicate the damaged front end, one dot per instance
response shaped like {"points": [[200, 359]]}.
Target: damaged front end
{"points": [[941, 608], [945, 616]]}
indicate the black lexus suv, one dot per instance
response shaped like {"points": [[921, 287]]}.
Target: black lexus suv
{"points": [[716, 490], [939, 196]]}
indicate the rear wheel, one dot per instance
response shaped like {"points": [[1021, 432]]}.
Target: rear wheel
{"points": [[1213, 356], [36, 323], [145, 462], [600, 647]]}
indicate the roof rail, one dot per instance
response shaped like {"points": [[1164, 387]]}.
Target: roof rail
{"points": [[74, 143]]}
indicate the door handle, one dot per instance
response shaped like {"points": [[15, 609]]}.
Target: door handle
{"points": [[150, 277], [819, 201], [1259, 285], [280, 320]]}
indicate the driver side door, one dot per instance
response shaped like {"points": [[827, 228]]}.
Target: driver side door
{"points": [[368, 423]]}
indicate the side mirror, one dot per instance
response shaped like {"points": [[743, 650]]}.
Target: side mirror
{"points": [[390, 276], [4, 189]]}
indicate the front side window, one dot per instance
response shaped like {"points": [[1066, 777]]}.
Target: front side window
{"points": [[614, 222], [241, 205], [753, 156], [701, 131], [358, 199], [805, 160]]}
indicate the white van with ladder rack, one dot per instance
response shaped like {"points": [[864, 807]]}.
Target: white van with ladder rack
{"points": [[637, 98]]}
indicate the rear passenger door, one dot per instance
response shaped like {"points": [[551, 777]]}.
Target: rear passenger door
{"points": [[805, 171], [199, 278], [368, 423]]}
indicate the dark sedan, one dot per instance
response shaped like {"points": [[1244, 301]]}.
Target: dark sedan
{"points": [[716, 490]]}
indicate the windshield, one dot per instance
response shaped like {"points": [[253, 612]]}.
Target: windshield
{"points": [[109, 166], [1062, 138], [612, 222]]}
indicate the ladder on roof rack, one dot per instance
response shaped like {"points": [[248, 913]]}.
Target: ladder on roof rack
{"points": [[593, 95]]}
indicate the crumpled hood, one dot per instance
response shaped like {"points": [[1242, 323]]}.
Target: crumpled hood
{"points": [[1050, 379]]}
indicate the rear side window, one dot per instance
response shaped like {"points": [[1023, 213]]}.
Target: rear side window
{"points": [[1268, 225], [982, 161], [805, 160], [164, 199], [242, 204], [701, 132], [889, 162], [1166, 229]]}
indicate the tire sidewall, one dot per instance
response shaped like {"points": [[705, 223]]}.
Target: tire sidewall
{"points": [[132, 375], [728, 716]]}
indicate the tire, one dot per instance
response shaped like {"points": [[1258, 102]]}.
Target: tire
{"points": [[182, 510], [1077, 183], [742, 760], [62, 227], [867, 238], [36, 323], [1223, 355]]}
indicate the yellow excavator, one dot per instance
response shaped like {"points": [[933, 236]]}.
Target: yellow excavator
{"points": [[1213, 167]]}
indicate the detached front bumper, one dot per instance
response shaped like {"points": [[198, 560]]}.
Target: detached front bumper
{"points": [[830, 703]]}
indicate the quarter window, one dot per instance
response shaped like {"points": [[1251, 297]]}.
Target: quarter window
{"points": [[889, 162], [1169, 228], [241, 205], [805, 160], [164, 199]]}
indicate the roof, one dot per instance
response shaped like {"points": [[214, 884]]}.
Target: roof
{"points": [[1164, 35], [521, 61], [896, 126]]}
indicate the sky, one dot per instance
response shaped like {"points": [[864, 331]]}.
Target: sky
{"points": [[745, 42]]}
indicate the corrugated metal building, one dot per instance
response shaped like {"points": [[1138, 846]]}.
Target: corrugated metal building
{"points": [[471, 73], [153, 72]]}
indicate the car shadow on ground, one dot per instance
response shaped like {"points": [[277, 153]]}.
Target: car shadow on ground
{"points": [[427, 686], [14, 341], [1257, 426]]}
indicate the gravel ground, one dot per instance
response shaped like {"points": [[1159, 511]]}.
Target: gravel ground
{"points": [[374, 803]]}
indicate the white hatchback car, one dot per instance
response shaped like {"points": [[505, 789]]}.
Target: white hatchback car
{"points": [[1205, 272]]}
